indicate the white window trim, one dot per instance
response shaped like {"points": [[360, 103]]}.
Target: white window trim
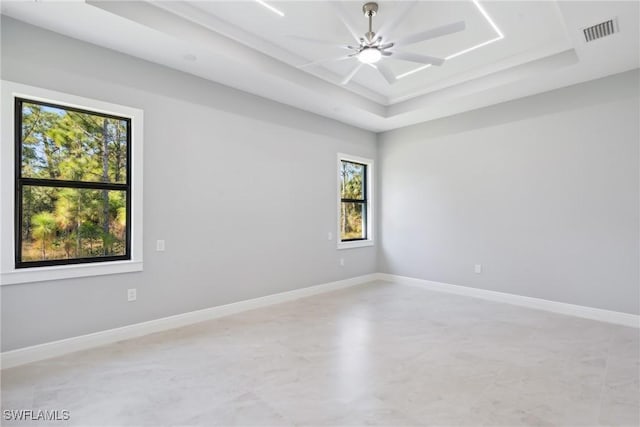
{"points": [[8, 273], [370, 202]]}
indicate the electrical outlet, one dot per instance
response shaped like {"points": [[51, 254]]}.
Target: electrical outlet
{"points": [[342, 262], [160, 245], [132, 294], [478, 268], [330, 236]]}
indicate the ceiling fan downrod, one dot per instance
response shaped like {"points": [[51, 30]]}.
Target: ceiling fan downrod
{"points": [[370, 9]]}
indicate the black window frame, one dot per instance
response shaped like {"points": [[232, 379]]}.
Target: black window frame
{"points": [[21, 182], [364, 201]]}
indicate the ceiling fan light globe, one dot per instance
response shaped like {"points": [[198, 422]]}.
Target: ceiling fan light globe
{"points": [[369, 55]]}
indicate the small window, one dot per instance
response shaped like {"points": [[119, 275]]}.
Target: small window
{"points": [[355, 213], [73, 185]]}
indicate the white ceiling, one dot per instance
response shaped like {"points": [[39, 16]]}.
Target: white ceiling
{"points": [[509, 49]]}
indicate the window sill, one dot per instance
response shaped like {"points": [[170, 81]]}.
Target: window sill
{"points": [[355, 244], [41, 274]]}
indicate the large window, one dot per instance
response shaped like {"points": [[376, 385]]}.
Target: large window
{"points": [[355, 212], [72, 185], [71, 182]]}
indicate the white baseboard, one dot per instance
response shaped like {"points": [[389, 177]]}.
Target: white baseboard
{"points": [[38, 352], [608, 316]]}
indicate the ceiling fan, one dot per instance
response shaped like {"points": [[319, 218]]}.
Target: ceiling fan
{"points": [[374, 47]]}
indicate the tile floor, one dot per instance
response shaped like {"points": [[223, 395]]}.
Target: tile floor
{"points": [[378, 354]]}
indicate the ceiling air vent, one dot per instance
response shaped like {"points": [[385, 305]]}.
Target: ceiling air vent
{"points": [[600, 30]]}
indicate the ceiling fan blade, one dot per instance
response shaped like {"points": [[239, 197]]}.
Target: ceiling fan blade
{"points": [[317, 41], [386, 73], [432, 33], [321, 61], [414, 57], [387, 27], [344, 17], [352, 73], [384, 53]]}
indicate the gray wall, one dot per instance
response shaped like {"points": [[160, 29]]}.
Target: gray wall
{"points": [[542, 191], [242, 189]]}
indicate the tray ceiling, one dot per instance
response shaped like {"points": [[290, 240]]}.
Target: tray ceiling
{"points": [[508, 49]]}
